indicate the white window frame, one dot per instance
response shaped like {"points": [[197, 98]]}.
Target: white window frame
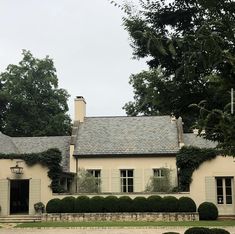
{"points": [[126, 185], [222, 196], [158, 173], [97, 174]]}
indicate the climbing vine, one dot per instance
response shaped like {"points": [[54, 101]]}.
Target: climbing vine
{"points": [[188, 160], [160, 184], [50, 158]]}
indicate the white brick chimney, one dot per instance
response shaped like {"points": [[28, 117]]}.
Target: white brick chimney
{"points": [[79, 109]]}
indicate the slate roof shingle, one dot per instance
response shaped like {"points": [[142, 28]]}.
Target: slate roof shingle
{"points": [[126, 135], [7, 146], [191, 139], [21, 145], [40, 144]]}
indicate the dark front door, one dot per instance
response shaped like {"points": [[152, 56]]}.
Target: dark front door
{"points": [[19, 197]]}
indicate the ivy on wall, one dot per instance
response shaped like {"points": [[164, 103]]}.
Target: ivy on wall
{"points": [[188, 160], [50, 158], [160, 184]]}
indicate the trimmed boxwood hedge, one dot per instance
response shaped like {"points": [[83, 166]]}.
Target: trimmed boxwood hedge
{"points": [[125, 204], [208, 211], [82, 204], [202, 230], [68, 205], [219, 231], [154, 203], [54, 206], [111, 204], [187, 204], [198, 230], [171, 233], [170, 204], [99, 204], [140, 204]]}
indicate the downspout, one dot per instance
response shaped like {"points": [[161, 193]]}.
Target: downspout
{"points": [[180, 132]]}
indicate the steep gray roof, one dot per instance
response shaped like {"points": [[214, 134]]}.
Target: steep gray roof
{"points": [[40, 144], [7, 146], [126, 135], [191, 139]]}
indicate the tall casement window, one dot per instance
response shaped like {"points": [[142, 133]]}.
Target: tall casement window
{"points": [[127, 181], [97, 175], [224, 190]]}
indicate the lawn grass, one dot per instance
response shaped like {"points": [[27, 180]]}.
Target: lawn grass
{"points": [[129, 224]]}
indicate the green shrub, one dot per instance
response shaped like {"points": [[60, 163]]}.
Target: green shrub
{"points": [[39, 207], [125, 204], [111, 204], [208, 211], [54, 206], [160, 184], [186, 204], [68, 205], [170, 204], [97, 204], [154, 203], [201, 230], [219, 231], [82, 204], [139, 204], [198, 230], [171, 233]]}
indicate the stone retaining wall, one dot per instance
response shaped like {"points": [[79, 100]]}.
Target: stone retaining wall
{"points": [[84, 217]]}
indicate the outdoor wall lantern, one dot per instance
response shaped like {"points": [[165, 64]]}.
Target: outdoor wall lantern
{"points": [[17, 169]]}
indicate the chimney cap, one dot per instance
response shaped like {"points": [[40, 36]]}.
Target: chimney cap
{"points": [[80, 98]]}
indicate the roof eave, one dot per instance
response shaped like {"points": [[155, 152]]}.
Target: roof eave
{"points": [[125, 155]]}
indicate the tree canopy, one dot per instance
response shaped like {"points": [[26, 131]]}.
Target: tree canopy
{"points": [[190, 48], [33, 104]]}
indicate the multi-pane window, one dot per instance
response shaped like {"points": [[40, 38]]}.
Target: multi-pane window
{"points": [[127, 181], [224, 190], [96, 174], [158, 173]]}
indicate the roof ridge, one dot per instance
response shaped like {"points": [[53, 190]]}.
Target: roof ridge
{"points": [[140, 116], [37, 137]]}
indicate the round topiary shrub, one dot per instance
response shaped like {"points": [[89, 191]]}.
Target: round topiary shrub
{"points": [[170, 204], [97, 204], [186, 204], [219, 231], [198, 230], [171, 233], [208, 211], [111, 204], [68, 205], [82, 204], [54, 206], [125, 204], [154, 204], [139, 204]]}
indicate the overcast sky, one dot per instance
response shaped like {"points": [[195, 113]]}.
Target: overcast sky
{"points": [[87, 42]]}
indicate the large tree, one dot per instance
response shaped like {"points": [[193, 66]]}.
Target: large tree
{"points": [[192, 43], [34, 105], [190, 47], [3, 103]]}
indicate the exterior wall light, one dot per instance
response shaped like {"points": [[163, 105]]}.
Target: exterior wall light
{"points": [[17, 169]]}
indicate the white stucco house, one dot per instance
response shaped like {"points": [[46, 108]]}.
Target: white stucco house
{"points": [[121, 152]]}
